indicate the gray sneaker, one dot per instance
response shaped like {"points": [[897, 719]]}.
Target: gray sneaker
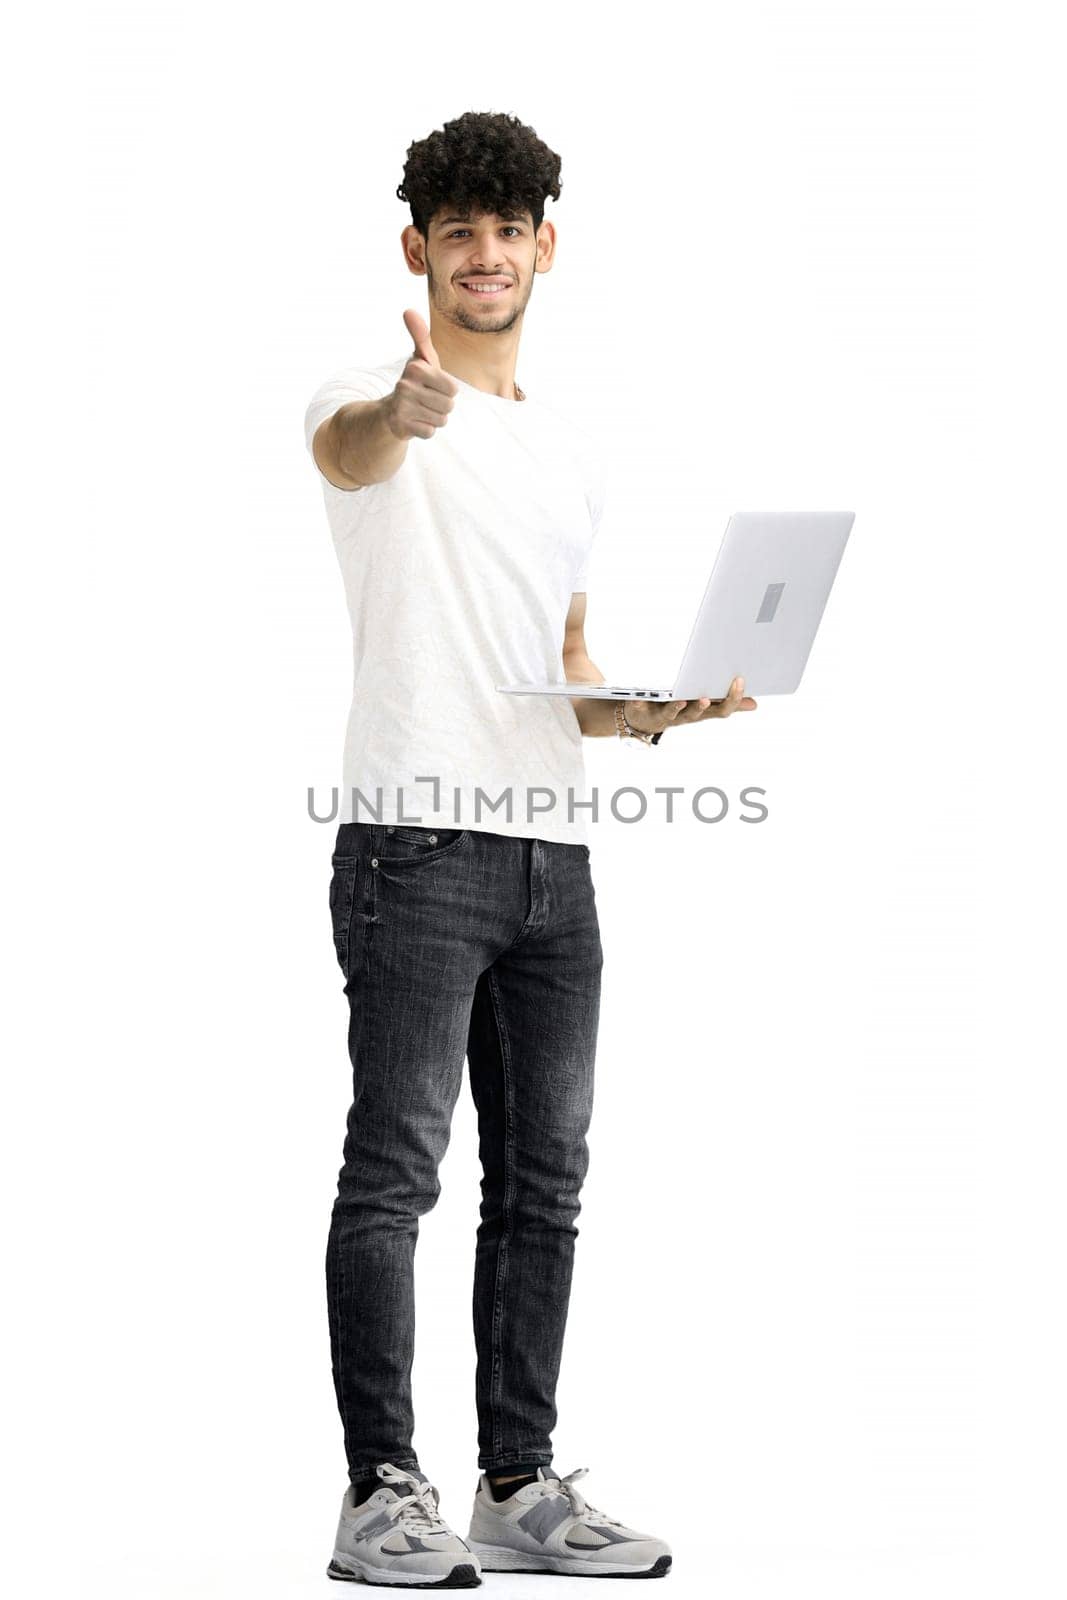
{"points": [[397, 1538], [547, 1527]]}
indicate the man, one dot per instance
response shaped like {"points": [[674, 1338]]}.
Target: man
{"points": [[463, 512]]}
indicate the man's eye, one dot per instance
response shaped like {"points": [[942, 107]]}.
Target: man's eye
{"points": [[509, 228]]}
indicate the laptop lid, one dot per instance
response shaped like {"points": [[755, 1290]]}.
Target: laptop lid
{"points": [[764, 601]]}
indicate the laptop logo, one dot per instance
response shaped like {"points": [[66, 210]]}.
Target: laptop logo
{"points": [[770, 602]]}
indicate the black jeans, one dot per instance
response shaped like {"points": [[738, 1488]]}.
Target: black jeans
{"points": [[459, 943]]}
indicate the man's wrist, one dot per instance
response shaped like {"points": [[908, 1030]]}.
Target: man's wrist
{"points": [[626, 729]]}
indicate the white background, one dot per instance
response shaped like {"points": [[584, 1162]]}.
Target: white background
{"points": [[808, 256]]}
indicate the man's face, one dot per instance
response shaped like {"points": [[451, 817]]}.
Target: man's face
{"points": [[481, 266]]}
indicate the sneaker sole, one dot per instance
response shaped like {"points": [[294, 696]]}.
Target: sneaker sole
{"points": [[462, 1576], [494, 1558]]}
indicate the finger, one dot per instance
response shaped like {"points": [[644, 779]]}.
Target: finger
{"points": [[733, 699], [420, 337], [427, 396], [654, 717], [667, 715], [662, 716], [436, 380], [726, 706], [695, 709]]}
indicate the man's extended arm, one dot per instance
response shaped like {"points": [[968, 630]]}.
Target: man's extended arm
{"points": [[356, 446], [366, 441]]}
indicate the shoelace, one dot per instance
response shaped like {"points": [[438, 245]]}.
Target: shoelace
{"points": [[414, 1510], [579, 1506]]}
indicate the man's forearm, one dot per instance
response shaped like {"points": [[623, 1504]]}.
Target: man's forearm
{"points": [[596, 718], [366, 449]]}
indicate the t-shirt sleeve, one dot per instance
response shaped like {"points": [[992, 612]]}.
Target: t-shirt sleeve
{"points": [[354, 383], [596, 493]]}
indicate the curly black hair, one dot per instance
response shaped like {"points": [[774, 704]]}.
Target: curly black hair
{"points": [[482, 161]]}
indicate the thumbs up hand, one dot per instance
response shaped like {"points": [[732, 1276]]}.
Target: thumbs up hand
{"points": [[424, 393]]}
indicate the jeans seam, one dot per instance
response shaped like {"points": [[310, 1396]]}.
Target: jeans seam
{"points": [[349, 919], [500, 1286], [339, 1291]]}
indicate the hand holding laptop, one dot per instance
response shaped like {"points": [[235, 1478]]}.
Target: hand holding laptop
{"points": [[648, 717]]}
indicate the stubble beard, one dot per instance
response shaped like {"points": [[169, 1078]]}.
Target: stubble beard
{"points": [[453, 310]]}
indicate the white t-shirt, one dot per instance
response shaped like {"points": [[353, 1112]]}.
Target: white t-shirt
{"points": [[459, 571]]}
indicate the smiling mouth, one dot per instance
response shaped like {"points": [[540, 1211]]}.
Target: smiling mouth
{"points": [[486, 291]]}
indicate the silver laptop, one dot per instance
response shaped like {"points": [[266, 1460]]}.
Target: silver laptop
{"points": [[759, 615]]}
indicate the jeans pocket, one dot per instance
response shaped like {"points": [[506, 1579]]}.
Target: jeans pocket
{"points": [[402, 846], [342, 902]]}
